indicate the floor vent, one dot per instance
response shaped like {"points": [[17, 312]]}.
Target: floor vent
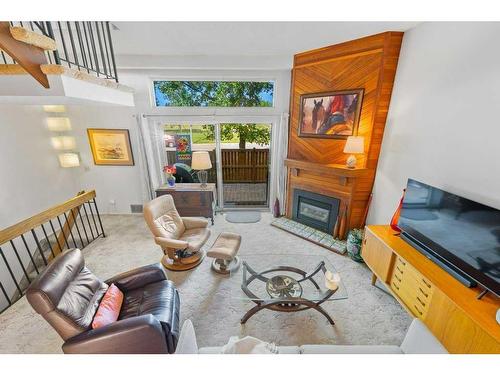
{"points": [[136, 208]]}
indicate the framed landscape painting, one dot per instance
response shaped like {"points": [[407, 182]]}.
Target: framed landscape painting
{"points": [[332, 114], [111, 146]]}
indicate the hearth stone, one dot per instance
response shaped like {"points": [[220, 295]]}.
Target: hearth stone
{"points": [[318, 237]]}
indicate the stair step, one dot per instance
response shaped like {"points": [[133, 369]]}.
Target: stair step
{"points": [[12, 69], [55, 69], [29, 37]]}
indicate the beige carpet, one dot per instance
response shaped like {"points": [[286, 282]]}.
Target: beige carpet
{"points": [[368, 316]]}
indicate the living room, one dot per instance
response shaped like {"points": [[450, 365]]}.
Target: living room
{"points": [[192, 186]]}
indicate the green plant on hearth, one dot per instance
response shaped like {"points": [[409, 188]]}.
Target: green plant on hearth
{"points": [[354, 240]]}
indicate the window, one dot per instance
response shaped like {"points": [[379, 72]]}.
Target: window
{"points": [[213, 93]]}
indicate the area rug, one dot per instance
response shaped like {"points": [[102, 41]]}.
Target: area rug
{"points": [[310, 234], [368, 316], [243, 216]]}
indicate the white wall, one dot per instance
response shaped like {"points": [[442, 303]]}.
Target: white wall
{"points": [[442, 127], [118, 184], [31, 179]]}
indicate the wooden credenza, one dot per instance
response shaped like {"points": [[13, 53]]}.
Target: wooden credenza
{"points": [[461, 322], [192, 199]]}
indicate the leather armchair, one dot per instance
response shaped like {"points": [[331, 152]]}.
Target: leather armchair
{"points": [[181, 238], [67, 295]]}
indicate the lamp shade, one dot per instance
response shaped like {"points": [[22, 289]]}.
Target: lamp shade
{"points": [[58, 124], [201, 160], [63, 143], [354, 145], [69, 160]]}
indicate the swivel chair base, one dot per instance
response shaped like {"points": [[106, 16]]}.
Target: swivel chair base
{"points": [[183, 264]]}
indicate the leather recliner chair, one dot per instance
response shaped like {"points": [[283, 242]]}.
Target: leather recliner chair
{"points": [[181, 238], [67, 295]]}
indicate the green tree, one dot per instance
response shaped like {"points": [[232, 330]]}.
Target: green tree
{"points": [[222, 94]]}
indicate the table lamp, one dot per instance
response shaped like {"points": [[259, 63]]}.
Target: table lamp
{"points": [[201, 162], [354, 145]]}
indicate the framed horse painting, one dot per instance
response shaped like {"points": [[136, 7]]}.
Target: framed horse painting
{"points": [[332, 114]]}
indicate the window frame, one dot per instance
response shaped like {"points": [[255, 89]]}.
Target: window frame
{"points": [[152, 93]]}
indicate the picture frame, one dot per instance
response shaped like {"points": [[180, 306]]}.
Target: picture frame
{"points": [[333, 114], [111, 146]]}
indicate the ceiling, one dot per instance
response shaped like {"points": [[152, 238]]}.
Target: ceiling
{"points": [[239, 38]]}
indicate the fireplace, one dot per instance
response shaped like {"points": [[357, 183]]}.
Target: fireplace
{"points": [[315, 210]]}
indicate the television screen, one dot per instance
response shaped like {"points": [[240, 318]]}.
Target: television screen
{"points": [[462, 233]]}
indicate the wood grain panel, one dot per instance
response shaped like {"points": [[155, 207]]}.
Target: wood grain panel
{"points": [[28, 56], [463, 323], [378, 256], [369, 63]]}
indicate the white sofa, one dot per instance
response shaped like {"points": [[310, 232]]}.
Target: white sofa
{"points": [[418, 340]]}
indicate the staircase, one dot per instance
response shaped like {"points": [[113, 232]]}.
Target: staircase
{"points": [[28, 247], [27, 51], [79, 50]]}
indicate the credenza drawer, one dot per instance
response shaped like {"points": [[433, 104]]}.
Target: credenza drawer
{"points": [[411, 288], [403, 269]]}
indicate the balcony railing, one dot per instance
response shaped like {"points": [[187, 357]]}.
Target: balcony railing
{"points": [[85, 46]]}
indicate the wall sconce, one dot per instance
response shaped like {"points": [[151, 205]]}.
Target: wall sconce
{"points": [[69, 160], [54, 108], [58, 124], [63, 143]]}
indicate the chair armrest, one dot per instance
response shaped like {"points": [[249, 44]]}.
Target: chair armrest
{"points": [[170, 242], [138, 335], [194, 222], [139, 277]]}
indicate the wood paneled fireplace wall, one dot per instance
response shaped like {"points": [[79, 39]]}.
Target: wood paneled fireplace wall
{"points": [[318, 164]]}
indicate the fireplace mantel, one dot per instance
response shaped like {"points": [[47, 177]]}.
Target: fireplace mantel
{"points": [[331, 180], [338, 170]]}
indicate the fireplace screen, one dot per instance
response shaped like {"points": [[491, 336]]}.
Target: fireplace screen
{"points": [[315, 210]]}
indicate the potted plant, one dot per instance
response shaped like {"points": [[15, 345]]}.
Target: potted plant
{"points": [[170, 170], [354, 240]]}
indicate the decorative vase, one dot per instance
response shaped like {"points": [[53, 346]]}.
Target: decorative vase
{"points": [[354, 240], [276, 209], [171, 181], [397, 213]]}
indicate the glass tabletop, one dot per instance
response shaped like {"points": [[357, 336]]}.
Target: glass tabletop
{"points": [[288, 278]]}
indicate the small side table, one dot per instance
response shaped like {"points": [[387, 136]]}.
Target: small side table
{"points": [[192, 199]]}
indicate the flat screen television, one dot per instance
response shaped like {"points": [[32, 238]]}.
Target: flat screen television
{"points": [[460, 235]]}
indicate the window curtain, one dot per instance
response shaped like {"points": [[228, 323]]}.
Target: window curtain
{"points": [[278, 171], [152, 156]]}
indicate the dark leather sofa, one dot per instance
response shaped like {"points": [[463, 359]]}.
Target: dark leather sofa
{"points": [[67, 295]]}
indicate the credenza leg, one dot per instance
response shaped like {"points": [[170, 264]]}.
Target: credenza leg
{"points": [[374, 279]]}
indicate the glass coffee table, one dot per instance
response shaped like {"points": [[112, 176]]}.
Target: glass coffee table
{"points": [[287, 283]]}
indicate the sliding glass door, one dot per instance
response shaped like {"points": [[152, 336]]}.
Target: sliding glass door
{"points": [[245, 160], [240, 156]]}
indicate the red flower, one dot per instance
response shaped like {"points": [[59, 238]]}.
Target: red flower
{"points": [[169, 169]]}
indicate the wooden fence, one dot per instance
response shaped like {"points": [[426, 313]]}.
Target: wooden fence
{"points": [[245, 165], [238, 166]]}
